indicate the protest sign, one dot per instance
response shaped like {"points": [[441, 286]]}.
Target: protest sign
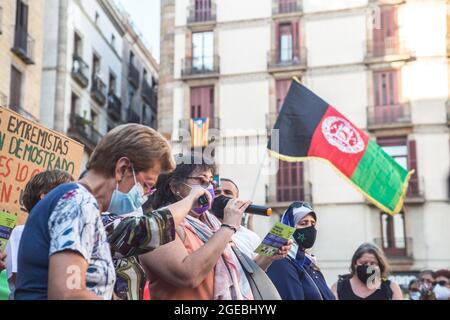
{"points": [[27, 148]]}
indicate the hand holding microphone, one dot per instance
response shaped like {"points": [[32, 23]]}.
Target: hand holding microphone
{"points": [[221, 202]]}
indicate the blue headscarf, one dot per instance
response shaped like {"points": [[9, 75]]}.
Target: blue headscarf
{"points": [[291, 217]]}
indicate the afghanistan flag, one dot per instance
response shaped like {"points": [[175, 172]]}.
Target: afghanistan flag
{"points": [[311, 128]]}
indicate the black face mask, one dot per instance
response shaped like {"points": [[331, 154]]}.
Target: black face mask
{"points": [[363, 274], [305, 237]]}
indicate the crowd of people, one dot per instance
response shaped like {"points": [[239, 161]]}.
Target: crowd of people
{"points": [[134, 222]]}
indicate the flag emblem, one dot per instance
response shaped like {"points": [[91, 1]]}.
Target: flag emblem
{"points": [[342, 135]]}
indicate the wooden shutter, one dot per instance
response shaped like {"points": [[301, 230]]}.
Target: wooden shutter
{"points": [[15, 89], [413, 189]]}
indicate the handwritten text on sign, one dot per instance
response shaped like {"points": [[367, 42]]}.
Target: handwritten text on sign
{"points": [[27, 148]]}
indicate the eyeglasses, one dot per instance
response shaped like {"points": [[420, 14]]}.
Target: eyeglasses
{"points": [[203, 182]]}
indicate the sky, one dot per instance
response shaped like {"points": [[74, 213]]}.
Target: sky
{"points": [[146, 16]]}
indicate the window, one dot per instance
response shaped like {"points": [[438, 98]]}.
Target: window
{"points": [[16, 89], [286, 42], [77, 45], [385, 38], [131, 62], [404, 153], [74, 104], [95, 66], [202, 102], [94, 119], [202, 10], [112, 83], [113, 40], [97, 17], [386, 87], [290, 181], [203, 50], [285, 6], [388, 108], [21, 28], [394, 241]]}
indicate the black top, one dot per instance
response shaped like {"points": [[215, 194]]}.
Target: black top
{"points": [[345, 291]]}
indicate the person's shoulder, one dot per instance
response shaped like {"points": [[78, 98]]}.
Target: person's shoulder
{"points": [[76, 201], [284, 265]]}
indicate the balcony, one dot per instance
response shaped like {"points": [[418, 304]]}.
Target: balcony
{"points": [[388, 50], [397, 250], [80, 71], [279, 60], [23, 45], [133, 75], [148, 93], [389, 117], [281, 198], [285, 7], [114, 107], [415, 193], [203, 12], [84, 131], [98, 90], [133, 117], [201, 67]]}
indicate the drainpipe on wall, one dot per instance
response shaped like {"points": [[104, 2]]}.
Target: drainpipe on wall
{"points": [[61, 67]]}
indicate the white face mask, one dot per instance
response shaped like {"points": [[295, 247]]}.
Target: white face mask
{"points": [[414, 295], [441, 292]]}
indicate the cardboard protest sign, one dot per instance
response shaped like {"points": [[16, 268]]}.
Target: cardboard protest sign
{"points": [[278, 237], [27, 148]]}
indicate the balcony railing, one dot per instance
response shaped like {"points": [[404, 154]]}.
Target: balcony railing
{"points": [[203, 11], [286, 6], [201, 67], [114, 107], [397, 115], [23, 45], [388, 47], [287, 59], [84, 131], [80, 71], [284, 196], [98, 90], [133, 75], [148, 93], [398, 248], [415, 191]]}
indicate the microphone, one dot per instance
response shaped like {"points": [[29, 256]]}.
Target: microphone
{"points": [[203, 200], [221, 202]]}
